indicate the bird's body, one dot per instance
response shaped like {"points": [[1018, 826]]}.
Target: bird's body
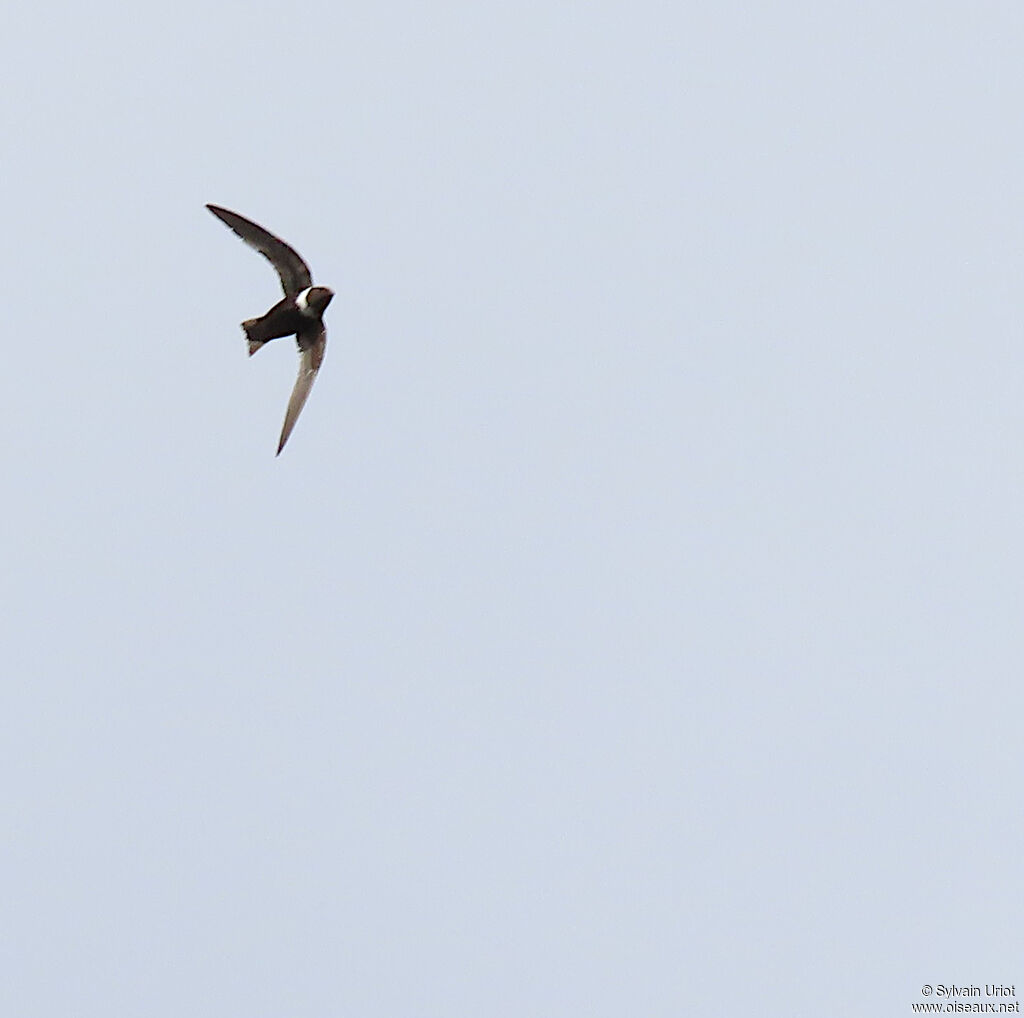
{"points": [[291, 316], [298, 314]]}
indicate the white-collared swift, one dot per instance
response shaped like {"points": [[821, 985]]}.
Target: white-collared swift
{"points": [[299, 314]]}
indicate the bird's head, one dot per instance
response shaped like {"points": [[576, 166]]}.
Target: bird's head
{"points": [[313, 301]]}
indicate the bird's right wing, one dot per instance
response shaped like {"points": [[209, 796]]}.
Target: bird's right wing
{"points": [[294, 272]]}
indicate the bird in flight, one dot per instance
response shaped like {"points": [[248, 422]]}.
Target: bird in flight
{"points": [[299, 314]]}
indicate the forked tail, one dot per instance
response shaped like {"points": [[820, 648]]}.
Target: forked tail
{"points": [[250, 327]]}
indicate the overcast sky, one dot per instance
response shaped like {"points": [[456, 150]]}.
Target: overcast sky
{"points": [[631, 627]]}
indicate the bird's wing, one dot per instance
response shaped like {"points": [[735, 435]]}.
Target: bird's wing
{"points": [[311, 355], [294, 272]]}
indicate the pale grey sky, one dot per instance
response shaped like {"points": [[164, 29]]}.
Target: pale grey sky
{"points": [[632, 625]]}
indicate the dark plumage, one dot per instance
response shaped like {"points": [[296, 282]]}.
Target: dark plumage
{"points": [[299, 314]]}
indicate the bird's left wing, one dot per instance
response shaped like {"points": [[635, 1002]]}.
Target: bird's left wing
{"points": [[311, 355]]}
